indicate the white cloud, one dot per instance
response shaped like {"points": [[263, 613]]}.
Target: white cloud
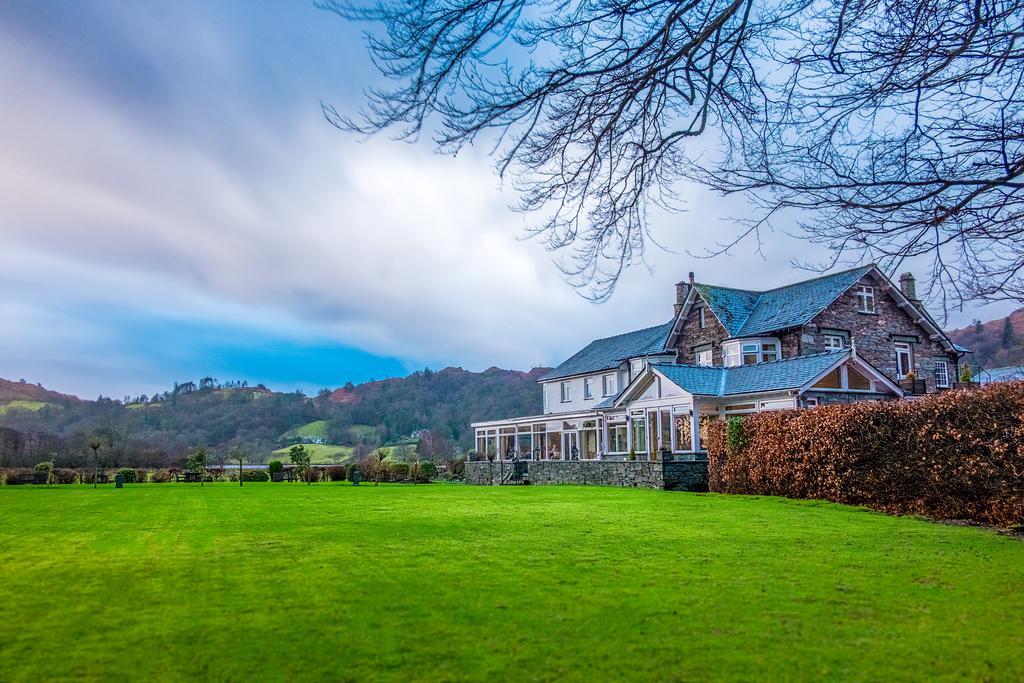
{"points": [[280, 222]]}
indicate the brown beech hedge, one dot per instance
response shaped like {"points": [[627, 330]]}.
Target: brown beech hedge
{"points": [[954, 455]]}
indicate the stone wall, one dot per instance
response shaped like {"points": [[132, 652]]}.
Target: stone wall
{"points": [[681, 475], [691, 336]]}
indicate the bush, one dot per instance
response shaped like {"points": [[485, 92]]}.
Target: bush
{"points": [[368, 468], [311, 475], [275, 466], [428, 471], [396, 471], [337, 473], [132, 476], [735, 439], [255, 475], [954, 455], [64, 476], [45, 466], [161, 476]]}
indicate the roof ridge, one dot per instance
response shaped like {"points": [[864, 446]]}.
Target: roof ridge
{"points": [[623, 334], [761, 292]]}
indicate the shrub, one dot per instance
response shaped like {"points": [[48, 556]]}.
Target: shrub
{"points": [[734, 436], [275, 466], [396, 471], [64, 476], [367, 468], [311, 474], [128, 474], [161, 476], [428, 471], [954, 455], [45, 466], [337, 473], [255, 475]]}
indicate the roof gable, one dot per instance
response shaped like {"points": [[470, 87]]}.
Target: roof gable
{"points": [[608, 353]]}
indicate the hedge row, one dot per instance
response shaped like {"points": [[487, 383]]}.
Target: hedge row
{"points": [[954, 455]]}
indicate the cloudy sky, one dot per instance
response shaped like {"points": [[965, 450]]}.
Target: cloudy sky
{"points": [[173, 205]]}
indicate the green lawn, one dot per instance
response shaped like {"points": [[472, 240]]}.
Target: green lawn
{"points": [[22, 405], [316, 428], [447, 582], [320, 454]]}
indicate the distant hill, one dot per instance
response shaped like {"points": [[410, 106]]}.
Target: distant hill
{"points": [[996, 343], [156, 430]]}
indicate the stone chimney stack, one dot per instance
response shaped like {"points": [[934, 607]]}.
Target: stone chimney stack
{"points": [[682, 291], [908, 286]]}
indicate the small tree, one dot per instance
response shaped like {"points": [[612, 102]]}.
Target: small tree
{"points": [[1009, 338], [197, 462], [965, 373], [95, 443], [300, 459], [379, 456], [240, 456]]}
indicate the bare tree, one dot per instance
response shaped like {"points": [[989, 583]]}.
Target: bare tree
{"points": [[885, 129]]}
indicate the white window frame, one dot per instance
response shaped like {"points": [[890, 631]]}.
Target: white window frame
{"points": [[565, 389], [733, 351], [609, 385], [901, 349], [942, 379], [704, 357], [588, 388], [866, 299], [830, 342]]}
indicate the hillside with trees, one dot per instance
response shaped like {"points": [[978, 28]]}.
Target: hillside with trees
{"points": [[434, 408], [996, 343]]}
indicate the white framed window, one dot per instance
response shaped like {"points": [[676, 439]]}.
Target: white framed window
{"points": [[635, 368], [704, 357], [811, 402], [750, 351], [834, 342], [701, 321], [589, 384], [904, 359], [618, 441], [865, 298], [566, 392], [941, 374], [609, 385]]}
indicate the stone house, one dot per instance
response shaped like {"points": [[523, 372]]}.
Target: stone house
{"points": [[847, 336]]}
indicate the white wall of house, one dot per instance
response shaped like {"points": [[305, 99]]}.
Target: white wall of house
{"points": [[554, 404]]}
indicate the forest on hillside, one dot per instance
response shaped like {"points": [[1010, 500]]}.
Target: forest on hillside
{"points": [[994, 344], [157, 431]]}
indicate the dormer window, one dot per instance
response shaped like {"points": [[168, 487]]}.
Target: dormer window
{"points": [[865, 298], [750, 351]]}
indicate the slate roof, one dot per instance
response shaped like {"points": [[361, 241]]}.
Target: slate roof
{"points": [[1008, 374], [608, 353], [789, 373], [746, 313], [961, 349]]}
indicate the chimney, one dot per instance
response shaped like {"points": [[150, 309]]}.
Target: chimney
{"points": [[682, 291], [908, 286]]}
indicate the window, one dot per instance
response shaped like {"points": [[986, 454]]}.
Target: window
{"points": [[617, 437], [811, 402], [588, 387], [701, 322], [639, 435], [704, 357], [738, 408], [781, 404], [834, 342], [750, 352], [609, 385], [833, 380], [941, 374], [856, 381], [904, 359], [566, 392], [635, 368], [865, 298]]}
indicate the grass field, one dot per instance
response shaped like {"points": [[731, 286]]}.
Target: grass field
{"points": [[320, 454], [316, 428], [447, 582], [22, 405]]}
